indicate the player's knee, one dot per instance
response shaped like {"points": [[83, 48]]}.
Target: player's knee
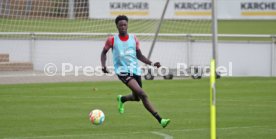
{"points": [[136, 98], [143, 95]]}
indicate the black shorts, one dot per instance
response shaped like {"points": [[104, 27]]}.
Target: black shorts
{"points": [[126, 77]]}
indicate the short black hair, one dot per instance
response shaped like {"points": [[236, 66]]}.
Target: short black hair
{"points": [[120, 17]]}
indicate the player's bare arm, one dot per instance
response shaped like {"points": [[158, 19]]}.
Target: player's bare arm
{"points": [[145, 60], [103, 60]]}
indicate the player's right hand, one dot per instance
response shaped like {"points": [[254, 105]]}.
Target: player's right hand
{"points": [[104, 69]]}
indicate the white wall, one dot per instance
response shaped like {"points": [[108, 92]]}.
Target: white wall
{"points": [[76, 52], [19, 50], [248, 59]]}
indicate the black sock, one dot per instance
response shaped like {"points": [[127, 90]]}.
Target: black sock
{"points": [[123, 99], [156, 115]]}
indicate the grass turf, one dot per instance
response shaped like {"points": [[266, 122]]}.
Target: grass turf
{"points": [[246, 108], [136, 26]]}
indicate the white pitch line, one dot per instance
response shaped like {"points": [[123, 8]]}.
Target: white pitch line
{"points": [[127, 133], [166, 136], [74, 135], [86, 135]]}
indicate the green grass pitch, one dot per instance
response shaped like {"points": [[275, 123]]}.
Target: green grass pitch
{"points": [[246, 109], [267, 27], [148, 26]]}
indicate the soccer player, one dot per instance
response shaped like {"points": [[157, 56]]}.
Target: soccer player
{"points": [[126, 53]]}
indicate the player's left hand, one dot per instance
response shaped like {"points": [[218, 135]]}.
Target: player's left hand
{"points": [[157, 64]]}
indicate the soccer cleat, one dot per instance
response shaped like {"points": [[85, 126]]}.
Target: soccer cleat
{"points": [[165, 122], [120, 104]]}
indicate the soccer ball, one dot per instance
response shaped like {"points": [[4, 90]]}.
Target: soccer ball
{"points": [[96, 117]]}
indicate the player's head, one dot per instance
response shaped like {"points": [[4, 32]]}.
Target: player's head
{"points": [[122, 24]]}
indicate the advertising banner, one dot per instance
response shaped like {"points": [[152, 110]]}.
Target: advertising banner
{"points": [[182, 9]]}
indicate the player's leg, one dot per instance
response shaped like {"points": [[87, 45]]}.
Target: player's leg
{"points": [[135, 84], [137, 90], [133, 96], [125, 78], [122, 99], [130, 97]]}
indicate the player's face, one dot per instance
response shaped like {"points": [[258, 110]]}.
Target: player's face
{"points": [[122, 27]]}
